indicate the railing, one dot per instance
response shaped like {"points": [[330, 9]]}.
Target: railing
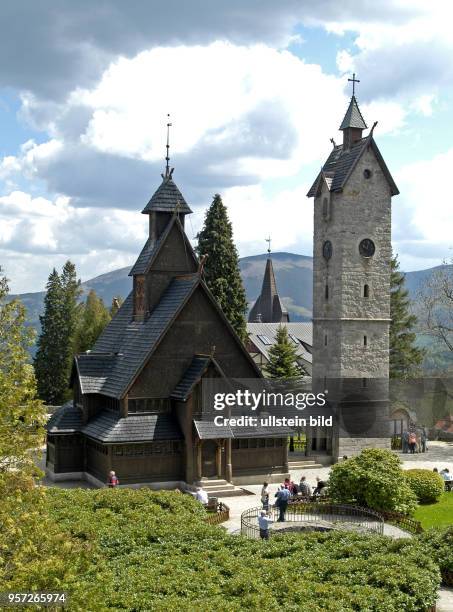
{"points": [[316, 515], [219, 515], [404, 522]]}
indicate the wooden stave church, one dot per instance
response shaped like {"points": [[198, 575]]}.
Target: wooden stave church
{"points": [[137, 394]]}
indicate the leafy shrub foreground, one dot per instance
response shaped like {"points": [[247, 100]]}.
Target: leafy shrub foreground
{"points": [[428, 486], [142, 550], [374, 479]]}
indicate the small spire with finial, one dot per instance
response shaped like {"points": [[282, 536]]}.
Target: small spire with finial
{"points": [[268, 240], [167, 158]]}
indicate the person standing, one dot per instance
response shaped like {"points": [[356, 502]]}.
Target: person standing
{"points": [[264, 521], [112, 481], [320, 485], [412, 442], [265, 496], [282, 496]]}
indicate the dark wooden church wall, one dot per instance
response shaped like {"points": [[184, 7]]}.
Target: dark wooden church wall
{"points": [[197, 329], [156, 462], [97, 459], [252, 453], [67, 453]]}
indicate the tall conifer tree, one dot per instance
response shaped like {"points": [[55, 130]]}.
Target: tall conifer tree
{"points": [[405, 356], [283, 357], [221, 270], [50, 367]]}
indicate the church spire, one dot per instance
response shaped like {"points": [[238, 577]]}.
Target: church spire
{"points": [[268, 308], [353, 122]]}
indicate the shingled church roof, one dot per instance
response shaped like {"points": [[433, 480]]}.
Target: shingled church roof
{"points": [[167, 198], [131, 342], [341, 162], [108, 427], [268, 307]]}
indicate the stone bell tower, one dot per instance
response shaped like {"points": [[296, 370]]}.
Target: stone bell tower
{"points": [[351, 263]]}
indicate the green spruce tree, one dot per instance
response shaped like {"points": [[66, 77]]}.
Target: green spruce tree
{"points": [[92, 321], [405, 356], [283, 357], [221, 270], [50, 372]]}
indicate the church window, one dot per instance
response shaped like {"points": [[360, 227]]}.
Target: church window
{"points": [[365, 341], [366, 291], [325, 209], [367, 173], [264, 339], [326, 292], [325, 340], [327, 250]]}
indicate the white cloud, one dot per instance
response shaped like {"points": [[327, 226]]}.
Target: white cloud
{"points": [[422, 213]]}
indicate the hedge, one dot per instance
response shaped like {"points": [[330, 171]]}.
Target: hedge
{"points": [[144, 550], [374, 479], [428, 486]]}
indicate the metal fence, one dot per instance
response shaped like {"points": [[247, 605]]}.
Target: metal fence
{"points": [[315, 516]]}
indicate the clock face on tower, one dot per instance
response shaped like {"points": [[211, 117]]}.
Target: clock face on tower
{"points": [[327, 250], [367, 248]]}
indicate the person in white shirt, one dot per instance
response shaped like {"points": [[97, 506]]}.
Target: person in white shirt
{"points": [[202, 496], [264, 521]]}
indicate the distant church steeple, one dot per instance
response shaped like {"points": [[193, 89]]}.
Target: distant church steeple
{"points": [[167, 200], [353, 123], [268, 308]]}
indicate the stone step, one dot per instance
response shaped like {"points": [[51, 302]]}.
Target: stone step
{"points": [[304, 465]]}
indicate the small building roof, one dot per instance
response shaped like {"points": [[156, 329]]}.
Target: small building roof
{"points": [[66, 420], [167, 198], [193, 375], [263, 336]]}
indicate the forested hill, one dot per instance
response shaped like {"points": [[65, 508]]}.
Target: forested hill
{"points": [[293, 275]]}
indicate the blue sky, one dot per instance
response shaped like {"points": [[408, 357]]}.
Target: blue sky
{"points": [[255, 91]]}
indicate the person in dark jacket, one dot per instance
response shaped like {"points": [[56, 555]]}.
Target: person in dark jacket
{"points": [[282, 496]]}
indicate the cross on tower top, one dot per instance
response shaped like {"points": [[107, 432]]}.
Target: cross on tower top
{"points": [[268, 240], [353, 81]]}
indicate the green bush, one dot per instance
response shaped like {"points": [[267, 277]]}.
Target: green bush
{"points": [[144, 550], [374, 479], [440, 542], [428, 486]]}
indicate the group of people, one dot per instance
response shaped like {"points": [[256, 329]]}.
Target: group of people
{"points": [[285, 492], [448, 478], [414, 441]]}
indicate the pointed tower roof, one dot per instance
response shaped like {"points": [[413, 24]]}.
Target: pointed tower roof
{"points": [[268, 308], [353, 117], [167, 198]]}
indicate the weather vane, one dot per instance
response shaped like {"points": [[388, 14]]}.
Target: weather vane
{"points": [[167, 159], [353, 81], [268, 240]]}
